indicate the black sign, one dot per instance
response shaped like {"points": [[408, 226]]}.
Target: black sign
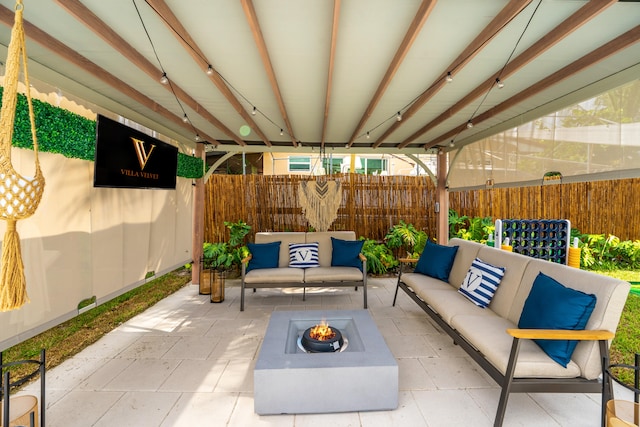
{"points": [[127, 158]]}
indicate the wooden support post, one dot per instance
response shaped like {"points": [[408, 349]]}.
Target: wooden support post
{"points": [[442, 199], [198, 221]]}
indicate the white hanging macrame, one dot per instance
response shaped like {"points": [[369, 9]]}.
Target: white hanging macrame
{"points": [[19, 195], [320, 202]]}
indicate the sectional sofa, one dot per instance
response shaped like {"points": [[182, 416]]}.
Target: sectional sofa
{"points": [[546, 328]]}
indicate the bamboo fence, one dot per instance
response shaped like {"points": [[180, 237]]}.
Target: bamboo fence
{"points": [[372, 204]]}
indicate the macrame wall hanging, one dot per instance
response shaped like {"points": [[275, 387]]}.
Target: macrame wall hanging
{"points": [[320, 201], [19, 195]]}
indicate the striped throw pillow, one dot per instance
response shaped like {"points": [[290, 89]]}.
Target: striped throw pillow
{"points": [[303, 255], [481, 282]]}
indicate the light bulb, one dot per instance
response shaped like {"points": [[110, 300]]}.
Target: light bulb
{"points": [[469, 124], [449, 77], [368, 136], [197, 137], [499, 83], [451, 143], [281, 132], [254, 111], [164, 79], [185, 119], [209, 70], [399, 116]]}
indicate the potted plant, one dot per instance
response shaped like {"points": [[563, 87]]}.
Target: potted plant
{"points": [[216, 260], [220, 257]]}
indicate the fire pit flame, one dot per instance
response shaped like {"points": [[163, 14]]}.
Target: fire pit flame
{"points": [[322, 332]]}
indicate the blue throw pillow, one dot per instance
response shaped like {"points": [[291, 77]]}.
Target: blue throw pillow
{"points": [[345, 253], [481, 282], [550, 305], [436, 260], [263, 255]]}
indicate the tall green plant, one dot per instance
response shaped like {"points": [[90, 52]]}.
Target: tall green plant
{"points": [[237, 233], [476, 228], [380, 259], [405, 237]]}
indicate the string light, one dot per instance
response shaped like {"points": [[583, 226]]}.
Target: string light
{"points": [[449, 77], [451, 143], [185, 119], [254, 111], [399, 116], [499, 83], [281, 132], [368, 135], [164, 79], [209, 70], [197, 138], [469, 124]]}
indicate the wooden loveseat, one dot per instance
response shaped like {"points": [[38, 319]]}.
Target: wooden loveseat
{"points": [[526, 306], [270, 265]]}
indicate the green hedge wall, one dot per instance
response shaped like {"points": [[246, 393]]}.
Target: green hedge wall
{"points": [[63, 132]]}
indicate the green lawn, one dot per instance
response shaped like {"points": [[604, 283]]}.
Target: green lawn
{"points": [[627, 340]]}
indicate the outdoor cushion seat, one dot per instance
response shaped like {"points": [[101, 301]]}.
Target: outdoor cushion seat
{"points": [[275, 275]]}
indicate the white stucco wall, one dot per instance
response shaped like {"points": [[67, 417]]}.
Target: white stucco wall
{"points": [[85, 241]]}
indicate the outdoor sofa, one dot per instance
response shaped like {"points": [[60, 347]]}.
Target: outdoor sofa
{"points": [[500, 337], [304, 259]]}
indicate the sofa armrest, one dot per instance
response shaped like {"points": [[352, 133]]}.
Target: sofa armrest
{"points": [[561, 334], [246, 259], [407, 260]]}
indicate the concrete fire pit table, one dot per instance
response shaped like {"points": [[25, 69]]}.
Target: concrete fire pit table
{"points": [[289, 380]]}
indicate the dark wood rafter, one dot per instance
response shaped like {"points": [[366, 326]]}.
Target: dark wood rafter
{"points": [[58, 48], [332, 57], [414, 29], [569, 25], [183, 36], [101, 29], [252, 18], [614, 46], [512, 9]]}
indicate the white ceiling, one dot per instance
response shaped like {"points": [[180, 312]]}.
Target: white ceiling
{"points": [[106, 58]]}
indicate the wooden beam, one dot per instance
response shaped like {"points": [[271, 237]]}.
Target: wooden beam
{"points": [[614, 46], [332, 57], [414, 29], [569, 25], [113, 39], [252, 18], [512, 9], [175, 26], [58, 48]]}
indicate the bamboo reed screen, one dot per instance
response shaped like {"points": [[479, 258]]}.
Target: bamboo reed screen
{"points": [[372, 204]]}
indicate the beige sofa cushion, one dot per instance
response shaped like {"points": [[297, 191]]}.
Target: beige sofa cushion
{"points": [[276, 276], [332, 274], [514, 265], [611, 295], [488, 334], [324, 240], [467, 252], [285, 238]]}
